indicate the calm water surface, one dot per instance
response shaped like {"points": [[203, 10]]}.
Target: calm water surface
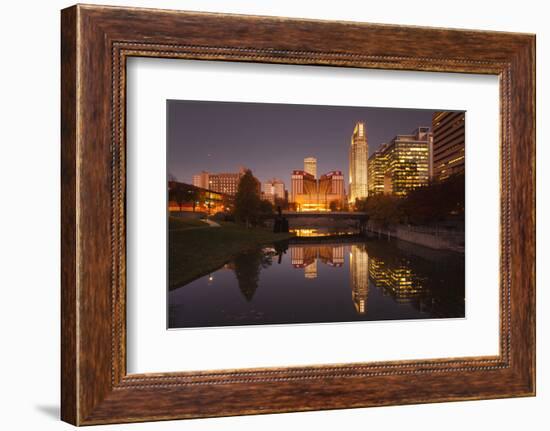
{"points": [[323, 280]]}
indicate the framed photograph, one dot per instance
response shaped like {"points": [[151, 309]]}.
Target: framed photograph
{"points": [[265, 215]]}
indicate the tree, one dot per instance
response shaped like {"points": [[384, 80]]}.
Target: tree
{"points": [[428, 204], [228, 203], [178, 195], [182, 193], [265, 210], [280, 202], [435, 201], [192, 195], [247, 199], [382, 209]]}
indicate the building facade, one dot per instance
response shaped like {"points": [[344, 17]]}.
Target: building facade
{"points": [[201, 180], [448, 144], [358, 156], [376, 167], [190, 198], [403, 164], [227, 182], [273, 190], [310, 166], [309, 194], [224, 182]]}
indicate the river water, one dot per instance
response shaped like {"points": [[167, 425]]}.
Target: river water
{"points": [[312, 280]]}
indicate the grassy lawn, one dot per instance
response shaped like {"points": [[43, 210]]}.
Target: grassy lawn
{"points": [[195, 251], [178, 223]]}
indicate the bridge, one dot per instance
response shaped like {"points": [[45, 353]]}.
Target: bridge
{"points": [[323, 218]]}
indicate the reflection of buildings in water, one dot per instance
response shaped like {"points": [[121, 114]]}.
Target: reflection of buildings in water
{"points": [[306, 256], [336, 256], [300, 257], [359, 277], [310, 271], [398, 281]]}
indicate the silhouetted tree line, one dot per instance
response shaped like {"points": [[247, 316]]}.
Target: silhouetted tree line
{"points": [[181, 194], [249, 207], [430, 204]]}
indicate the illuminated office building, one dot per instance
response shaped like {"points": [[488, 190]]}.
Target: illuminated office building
{"points": [[448, 144], [359, 277], [227, 182], [358, 155], [224, 182], [302, 184], [377, 165], [310, 194], [405, 162], [310, 166]]}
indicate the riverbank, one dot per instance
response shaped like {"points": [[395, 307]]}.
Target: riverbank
{"points": [[198, 249], [437, 239]]}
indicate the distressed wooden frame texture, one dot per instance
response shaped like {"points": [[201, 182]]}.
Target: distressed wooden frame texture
{"points": [[95, 43]]}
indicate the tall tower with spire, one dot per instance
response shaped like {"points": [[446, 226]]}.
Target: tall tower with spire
{"points": [[358, 156]]}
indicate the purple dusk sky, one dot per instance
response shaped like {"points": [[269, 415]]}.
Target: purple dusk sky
{"points": [[273, 139]]}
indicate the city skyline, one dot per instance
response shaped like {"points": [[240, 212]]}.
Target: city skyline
{"points": [[286, 214], [224, 136]]}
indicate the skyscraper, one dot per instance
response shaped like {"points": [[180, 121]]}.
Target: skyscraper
{"points": [[310, 166], [448, 144], [377, 166], [358, 155]]}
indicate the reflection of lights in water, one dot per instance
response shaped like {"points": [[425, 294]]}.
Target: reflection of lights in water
{"points": [[359, 277], [210, 279], [307, 232], [310, 271], [313, 232], [306, 257], [399, 281]]}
